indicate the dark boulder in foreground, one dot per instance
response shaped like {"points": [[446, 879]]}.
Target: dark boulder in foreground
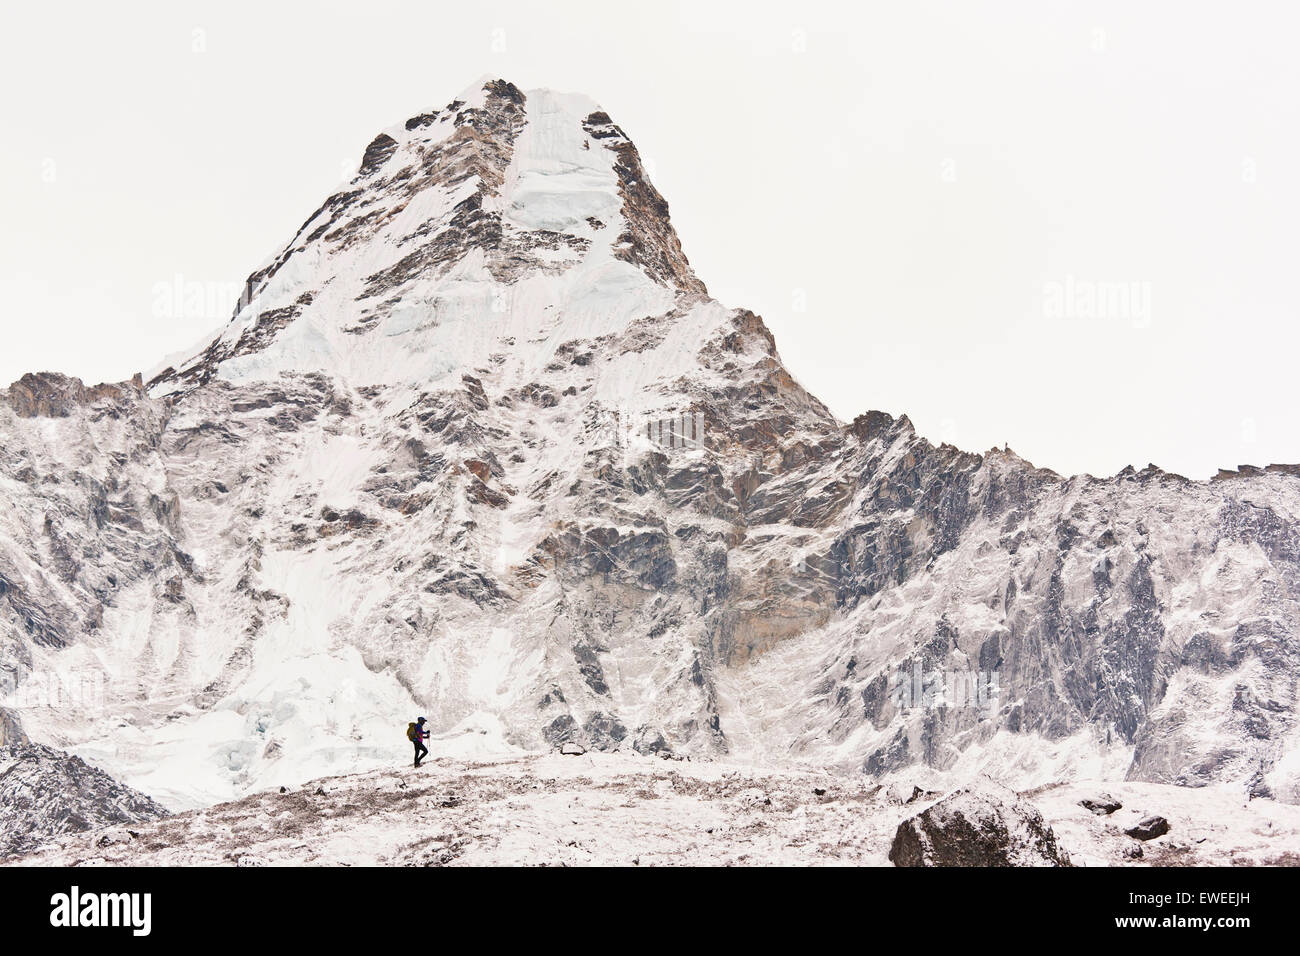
{"points": [[981, 825], [1149, 828], [1103, 804]]}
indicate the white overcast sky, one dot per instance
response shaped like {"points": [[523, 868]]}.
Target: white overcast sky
{"points": [[1070, 227]]}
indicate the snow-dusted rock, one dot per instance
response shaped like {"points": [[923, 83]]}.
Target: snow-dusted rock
{"points": [[1148, 828], [46, 793], [907, 791], [1102, 804], [980, 825], [114, 836]]}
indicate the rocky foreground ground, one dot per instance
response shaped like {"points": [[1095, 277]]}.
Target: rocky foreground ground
{"points": [[623, 810]]}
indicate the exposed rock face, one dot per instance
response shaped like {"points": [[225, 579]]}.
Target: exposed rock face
{"points": [[11, 732], [983, 825], [45, 792], [50, 395], [89, 513], [478, 445], [649, 242]]}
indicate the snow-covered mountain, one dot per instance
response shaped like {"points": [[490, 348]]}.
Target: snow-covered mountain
{"points": [[477, 444]]}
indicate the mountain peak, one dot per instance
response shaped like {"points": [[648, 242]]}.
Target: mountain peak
{"points": [[501, 196], [478, 445]]}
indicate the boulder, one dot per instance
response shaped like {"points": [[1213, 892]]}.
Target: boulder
{"points": [[1101, 804], [114, 837], [572, 750], [1149, 828], [980, 825]]}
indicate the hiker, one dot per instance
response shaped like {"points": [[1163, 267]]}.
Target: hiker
{"points": [[416, 734]]}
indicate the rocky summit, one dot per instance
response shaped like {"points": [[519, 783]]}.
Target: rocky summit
{"points": [[477, 444]]}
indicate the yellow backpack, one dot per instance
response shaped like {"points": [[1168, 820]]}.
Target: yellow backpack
{"points": [[411, 731]]}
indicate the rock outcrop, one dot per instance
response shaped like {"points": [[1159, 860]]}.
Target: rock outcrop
{"points": [[980, 825], [46, 793], [51, 395]]}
